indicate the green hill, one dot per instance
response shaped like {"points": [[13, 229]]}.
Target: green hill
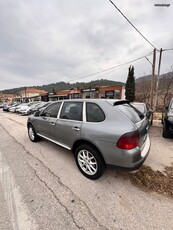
{"points": [[59, 86]]}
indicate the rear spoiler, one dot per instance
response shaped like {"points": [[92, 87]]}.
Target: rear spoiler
{"points": [[121, 102]]}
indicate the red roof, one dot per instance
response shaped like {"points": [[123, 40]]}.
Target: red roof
{"points": [[7, 95], [34, 90]]}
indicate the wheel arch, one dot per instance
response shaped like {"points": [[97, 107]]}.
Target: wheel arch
{"points": [[82, 141], [28, 124]]}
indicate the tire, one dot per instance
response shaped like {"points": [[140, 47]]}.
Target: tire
{"points": [[89, 161], [165, 132], [32, 134], [151, 121], [162, 119]]}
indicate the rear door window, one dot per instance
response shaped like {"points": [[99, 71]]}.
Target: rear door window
{"points": [[72, 111], [133, 114]]}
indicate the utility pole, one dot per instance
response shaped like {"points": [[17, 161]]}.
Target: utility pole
{"points": [[157, 80], [153, 77]]}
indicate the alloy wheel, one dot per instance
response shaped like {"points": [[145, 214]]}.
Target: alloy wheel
{"points": [[31, 133], [87, 162]]}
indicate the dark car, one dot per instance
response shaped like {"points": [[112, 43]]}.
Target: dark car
{"points": [[39, 107], [167, 120], [144, 109], [99, 133]]}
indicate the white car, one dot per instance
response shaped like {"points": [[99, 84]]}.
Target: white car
{"points": [[13, 108], [20, 106], [24, 110]]}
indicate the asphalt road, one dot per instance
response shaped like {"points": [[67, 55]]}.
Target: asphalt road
{"points": [[41, 187]]}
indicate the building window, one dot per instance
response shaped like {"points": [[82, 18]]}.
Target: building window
{"points": [[109, 94], [118, 94]]}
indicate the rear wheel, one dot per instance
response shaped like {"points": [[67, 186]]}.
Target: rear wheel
{"points": [[151, 121], [165, 132], [32, 134], [162, 120], [89, 161]]}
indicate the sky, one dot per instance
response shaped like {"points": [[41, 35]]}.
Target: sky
{"points": [[44, 42]]}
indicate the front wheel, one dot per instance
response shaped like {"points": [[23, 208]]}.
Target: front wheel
{"points": [[89, 161], [32, 134]]}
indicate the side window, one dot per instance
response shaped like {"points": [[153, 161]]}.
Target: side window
{"points": [[94, 113], [72, 111], [52, 110]]}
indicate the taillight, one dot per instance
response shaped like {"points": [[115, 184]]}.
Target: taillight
{"points": [[128, 140]]}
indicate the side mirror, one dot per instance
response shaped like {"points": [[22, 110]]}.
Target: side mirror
{"points": [[166, 107], [37, 113]]}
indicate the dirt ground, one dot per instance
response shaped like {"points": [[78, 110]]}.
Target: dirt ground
{"points": [[161, 179], [157, 116], [153, 181]]}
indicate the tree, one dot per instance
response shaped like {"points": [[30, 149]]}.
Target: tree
{"points": [[53, 90], [165, 89], [142, 90], [130, 85]]}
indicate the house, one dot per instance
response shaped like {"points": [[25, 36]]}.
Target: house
{"points": [[116, 92], [8, 98], [32, 94], [65, 94]]}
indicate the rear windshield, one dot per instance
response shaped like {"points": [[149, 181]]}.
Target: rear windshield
{"points": [[140, 107], [133, 114]]}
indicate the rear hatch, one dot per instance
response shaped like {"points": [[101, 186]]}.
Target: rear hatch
{"points": [[136, 117]]}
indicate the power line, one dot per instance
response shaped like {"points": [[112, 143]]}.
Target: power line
{"points": [[167, 49], [131, 23], [149, 61], [114, 67]]}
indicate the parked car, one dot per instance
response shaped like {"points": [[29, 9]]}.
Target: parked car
{"points": [[167, 121], [25, 110], [39, 107], [99, 132], [144, 109], [7, 106], [23, 106], [20, 106], [13, 107], [1, 105]]}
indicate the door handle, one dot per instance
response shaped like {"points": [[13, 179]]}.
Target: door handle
{"points": [[76, 128]]}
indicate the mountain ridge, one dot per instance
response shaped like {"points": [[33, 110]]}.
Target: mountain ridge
{"points": [[59, 86]]}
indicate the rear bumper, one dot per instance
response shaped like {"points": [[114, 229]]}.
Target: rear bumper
{"points": [[139, 160], [5, 109], [24, 113], [169, 126]]}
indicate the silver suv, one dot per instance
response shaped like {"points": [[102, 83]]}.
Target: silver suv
{"points": [[99, 132]]}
